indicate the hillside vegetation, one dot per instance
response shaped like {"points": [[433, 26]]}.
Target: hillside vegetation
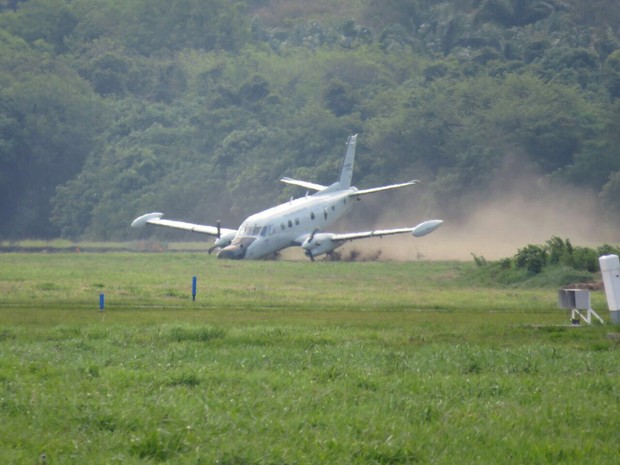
{"points": [[112, 108]]}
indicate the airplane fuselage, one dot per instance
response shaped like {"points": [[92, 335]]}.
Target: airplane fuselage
{"points": [[285, 225]]}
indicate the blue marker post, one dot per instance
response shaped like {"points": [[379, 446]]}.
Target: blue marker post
{"points": [[101, 302], [194, 288]]}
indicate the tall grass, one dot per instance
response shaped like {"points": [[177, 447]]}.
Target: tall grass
{"points": [[293, 363]]}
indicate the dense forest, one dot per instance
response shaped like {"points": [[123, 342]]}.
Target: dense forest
{"points": [[112, 108]]}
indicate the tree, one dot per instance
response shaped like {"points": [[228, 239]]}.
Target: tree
{"points": [[532, 257], [510, 13], [610, 194], [152, 26], [339, 98], [611, 74], [49, 125], [48, 20]]}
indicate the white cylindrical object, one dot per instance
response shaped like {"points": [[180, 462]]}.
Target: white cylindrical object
{"points": [[610, 269]]}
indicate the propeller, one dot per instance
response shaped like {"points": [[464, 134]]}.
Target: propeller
{"points": [[218, 224], [310, 239], [316, 230]]}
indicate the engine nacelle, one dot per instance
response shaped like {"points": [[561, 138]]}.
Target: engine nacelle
{"points": [[320, 244], [224, 240]]}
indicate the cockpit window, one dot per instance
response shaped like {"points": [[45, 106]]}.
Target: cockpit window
{"points": [[253, 230]]}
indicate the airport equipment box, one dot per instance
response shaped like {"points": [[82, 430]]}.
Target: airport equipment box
{"points": [[574, 298]]}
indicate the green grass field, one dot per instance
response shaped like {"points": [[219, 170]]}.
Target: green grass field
{"points": [[295, 363]]}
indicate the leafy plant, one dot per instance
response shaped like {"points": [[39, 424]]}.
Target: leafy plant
{"points": [[532, 257]]}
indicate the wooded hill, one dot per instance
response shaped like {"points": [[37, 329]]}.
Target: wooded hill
{"points": [[112, 108]]}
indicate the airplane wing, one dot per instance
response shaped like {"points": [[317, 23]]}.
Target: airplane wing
{"points": [[366, 234], [305, 184], [383, 188], [156, 220], [418, 231], [316, 243]]}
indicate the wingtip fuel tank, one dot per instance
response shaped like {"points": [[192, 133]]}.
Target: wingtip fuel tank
{"points": [[426, 228], [141, 221]]}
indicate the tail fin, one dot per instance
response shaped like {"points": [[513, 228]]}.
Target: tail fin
{"points": [[346, 171]]}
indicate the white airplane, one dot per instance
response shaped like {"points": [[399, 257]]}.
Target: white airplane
{"points": [[297, 222]]}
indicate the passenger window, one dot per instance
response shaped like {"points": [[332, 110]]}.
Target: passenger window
{"points": [[296, 221], [311, 215], [290, 224]]}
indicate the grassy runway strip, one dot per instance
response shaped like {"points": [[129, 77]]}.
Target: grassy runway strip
{"points": [[294, 363]]}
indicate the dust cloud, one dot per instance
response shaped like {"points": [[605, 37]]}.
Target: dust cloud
{"points": [[506, 219]]}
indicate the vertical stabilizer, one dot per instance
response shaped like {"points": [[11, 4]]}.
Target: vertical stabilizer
{"points": [[346, 171]]}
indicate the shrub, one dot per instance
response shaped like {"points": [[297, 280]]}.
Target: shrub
{"points": [[559, 250], [480, 261], [584, 258], [607, 249], [532, 257]]}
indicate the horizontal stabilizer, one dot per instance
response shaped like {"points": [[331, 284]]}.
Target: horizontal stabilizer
{"points": [[305, 184], [383, 188]]}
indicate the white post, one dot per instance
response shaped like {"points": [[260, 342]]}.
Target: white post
{"points": [[610, 269]]}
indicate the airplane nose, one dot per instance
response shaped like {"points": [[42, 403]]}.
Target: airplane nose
{"points": [[232, 252], [237, 250]]}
